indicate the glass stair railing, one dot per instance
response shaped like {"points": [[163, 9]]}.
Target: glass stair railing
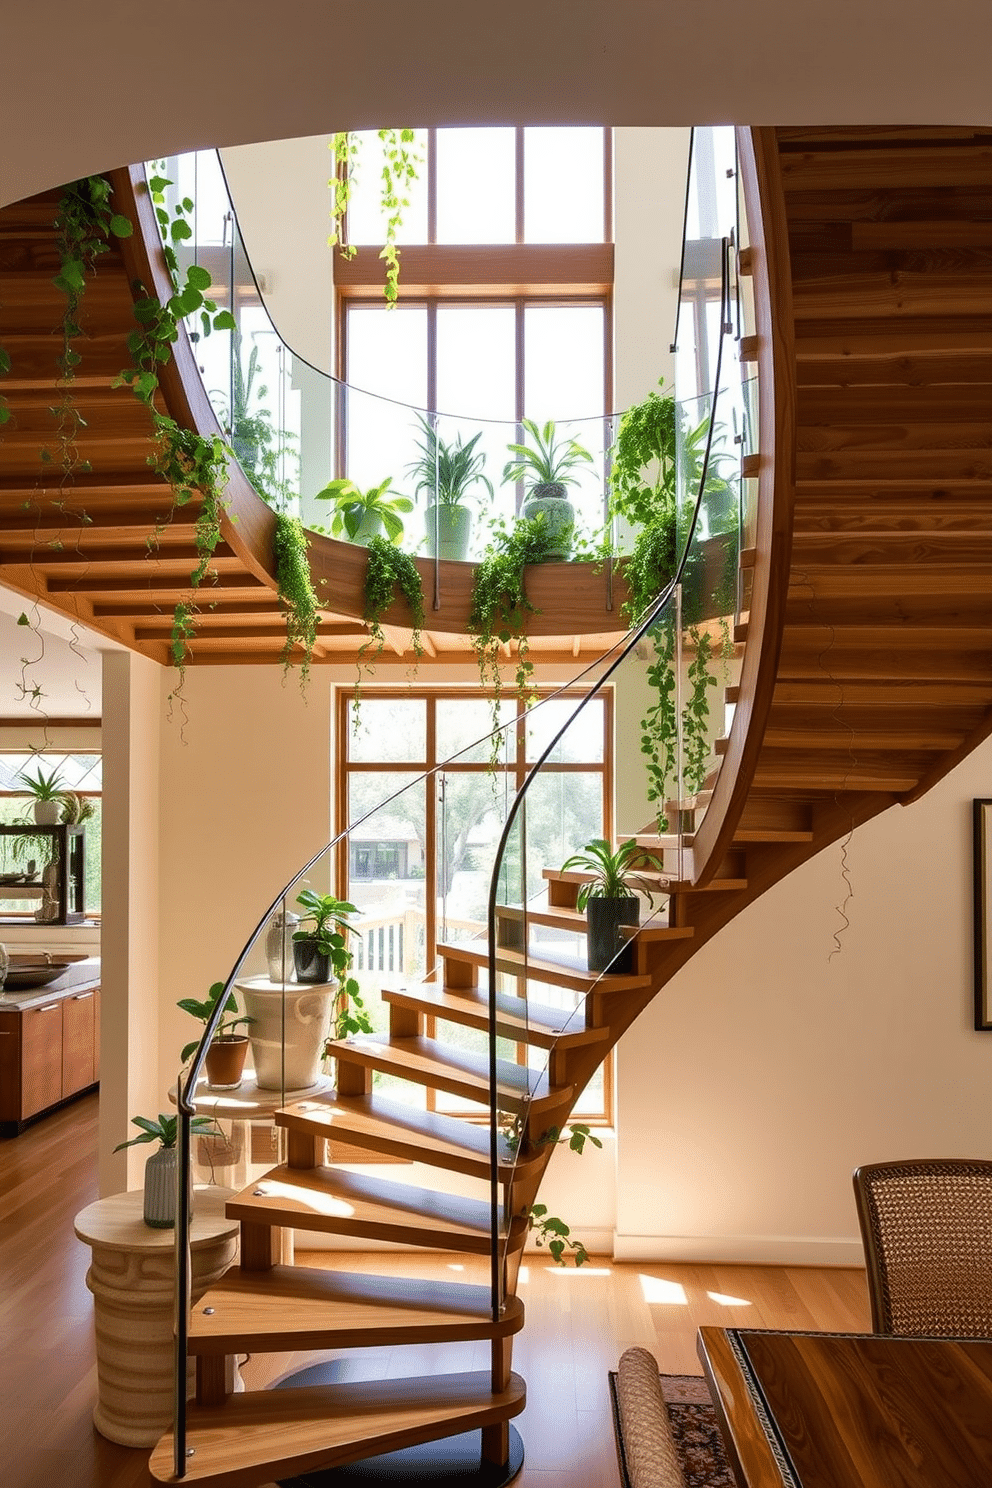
{"points": [[510, 1024]]}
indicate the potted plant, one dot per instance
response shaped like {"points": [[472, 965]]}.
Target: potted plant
{"points": [[291, 1022], [321, 951], [47, 792], [549, 464], [159, 1207], [228, 1050], [448, 472], [609, 898], [76, 808], [361, 515]]}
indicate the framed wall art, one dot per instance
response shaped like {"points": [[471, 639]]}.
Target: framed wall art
{"points": [[983, 915]]}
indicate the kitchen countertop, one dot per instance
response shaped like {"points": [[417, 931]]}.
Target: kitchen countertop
{"points": [[80, 977]]}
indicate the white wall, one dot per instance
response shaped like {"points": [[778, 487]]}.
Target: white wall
{"points": [[325, 64], [768, 1070], [246, 791]]}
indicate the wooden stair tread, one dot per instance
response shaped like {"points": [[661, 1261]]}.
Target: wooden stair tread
{"points": [[458, 1071], [289, 1432], [335, 1202], [575, 920], [398, 1130], [540, 969], [543, 1027], [303, 1307]]}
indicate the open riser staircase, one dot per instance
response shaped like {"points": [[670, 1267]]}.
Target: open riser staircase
{"points": [[867, 677]]}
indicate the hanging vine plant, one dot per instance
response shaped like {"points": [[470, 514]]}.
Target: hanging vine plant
{"points": [[296, 591], [402, 159], [500, 607], [389, 569]]}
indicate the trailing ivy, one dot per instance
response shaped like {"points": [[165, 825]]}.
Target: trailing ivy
{"points": [[4, 372], [296, 591], [193, 464], [500, 607], [401, 163], [389, 569]]}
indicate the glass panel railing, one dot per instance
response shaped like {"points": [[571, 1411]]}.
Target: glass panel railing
{"points": [[529, 942]]}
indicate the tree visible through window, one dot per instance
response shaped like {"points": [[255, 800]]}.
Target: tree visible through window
{"points": [[419, 867]]}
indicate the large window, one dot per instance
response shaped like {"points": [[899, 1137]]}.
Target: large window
{"points": [[81, 773], [506, 277], [419, 866]]}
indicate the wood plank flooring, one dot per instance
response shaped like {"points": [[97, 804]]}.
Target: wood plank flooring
{"points": [[579, 1323]]}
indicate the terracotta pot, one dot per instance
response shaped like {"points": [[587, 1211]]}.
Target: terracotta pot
{"points": [[226, 1061]]}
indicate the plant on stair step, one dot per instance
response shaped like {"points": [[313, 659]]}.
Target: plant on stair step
{"points": [[609, 898]]}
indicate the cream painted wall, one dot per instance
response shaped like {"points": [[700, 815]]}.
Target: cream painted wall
{"points": [[283, 208], [132, 867], [246, 792], [649, 192], [332, 64], [767, 1070]]}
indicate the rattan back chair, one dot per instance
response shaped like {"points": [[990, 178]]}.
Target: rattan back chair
{"points": [[927, 1232]]}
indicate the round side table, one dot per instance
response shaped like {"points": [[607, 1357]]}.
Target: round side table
{"points": [[131, 1277]]}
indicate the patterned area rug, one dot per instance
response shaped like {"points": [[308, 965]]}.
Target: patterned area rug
{"points": [[694, 1431]]}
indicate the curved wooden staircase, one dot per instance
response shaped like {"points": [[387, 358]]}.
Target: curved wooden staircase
{"points": [[867, 677]]}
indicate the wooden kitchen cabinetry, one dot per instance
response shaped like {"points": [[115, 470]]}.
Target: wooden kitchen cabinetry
{"points": [[49, 1051]]}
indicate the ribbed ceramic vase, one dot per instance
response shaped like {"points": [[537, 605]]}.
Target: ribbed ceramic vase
{"points": [[160, 1189]]}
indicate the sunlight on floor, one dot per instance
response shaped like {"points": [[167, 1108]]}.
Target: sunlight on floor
{"points": [[725, 1301], [577, 1270], [656, 1289]]}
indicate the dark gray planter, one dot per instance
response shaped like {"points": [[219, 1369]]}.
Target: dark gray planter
{"points": [[604, 918], [311, 964]]}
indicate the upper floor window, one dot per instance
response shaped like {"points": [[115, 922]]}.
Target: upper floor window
{"points": [[505, 308], [494, 186]]}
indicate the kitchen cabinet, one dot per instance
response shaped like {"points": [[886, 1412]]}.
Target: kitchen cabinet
{"points": [[49, 1046]]}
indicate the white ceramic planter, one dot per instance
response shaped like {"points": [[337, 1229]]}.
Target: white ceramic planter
{"points": [[307, 1020]]}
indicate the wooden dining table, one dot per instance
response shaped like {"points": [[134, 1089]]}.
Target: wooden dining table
{"points": [[840, 1410]]}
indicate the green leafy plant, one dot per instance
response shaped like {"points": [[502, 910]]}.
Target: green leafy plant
{"points": [[556, 1235], [76, 808], [500, 605], [331, 919], [204, 1011], [43, 787], [401, 163], [643, 461], [354, 508], [4, 372], [389, 569], [296, 591], [165, 1129], [447, 472], [546, 460], [614, 870]]}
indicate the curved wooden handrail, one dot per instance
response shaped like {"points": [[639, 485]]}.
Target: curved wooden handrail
{"points": [[772, 283]]}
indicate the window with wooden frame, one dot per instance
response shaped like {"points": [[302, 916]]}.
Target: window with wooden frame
{"points": [[505, 305], [419, 867], [76, 771]]}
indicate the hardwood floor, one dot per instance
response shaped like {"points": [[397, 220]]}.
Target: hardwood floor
{"points": [[579, 1324]]}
